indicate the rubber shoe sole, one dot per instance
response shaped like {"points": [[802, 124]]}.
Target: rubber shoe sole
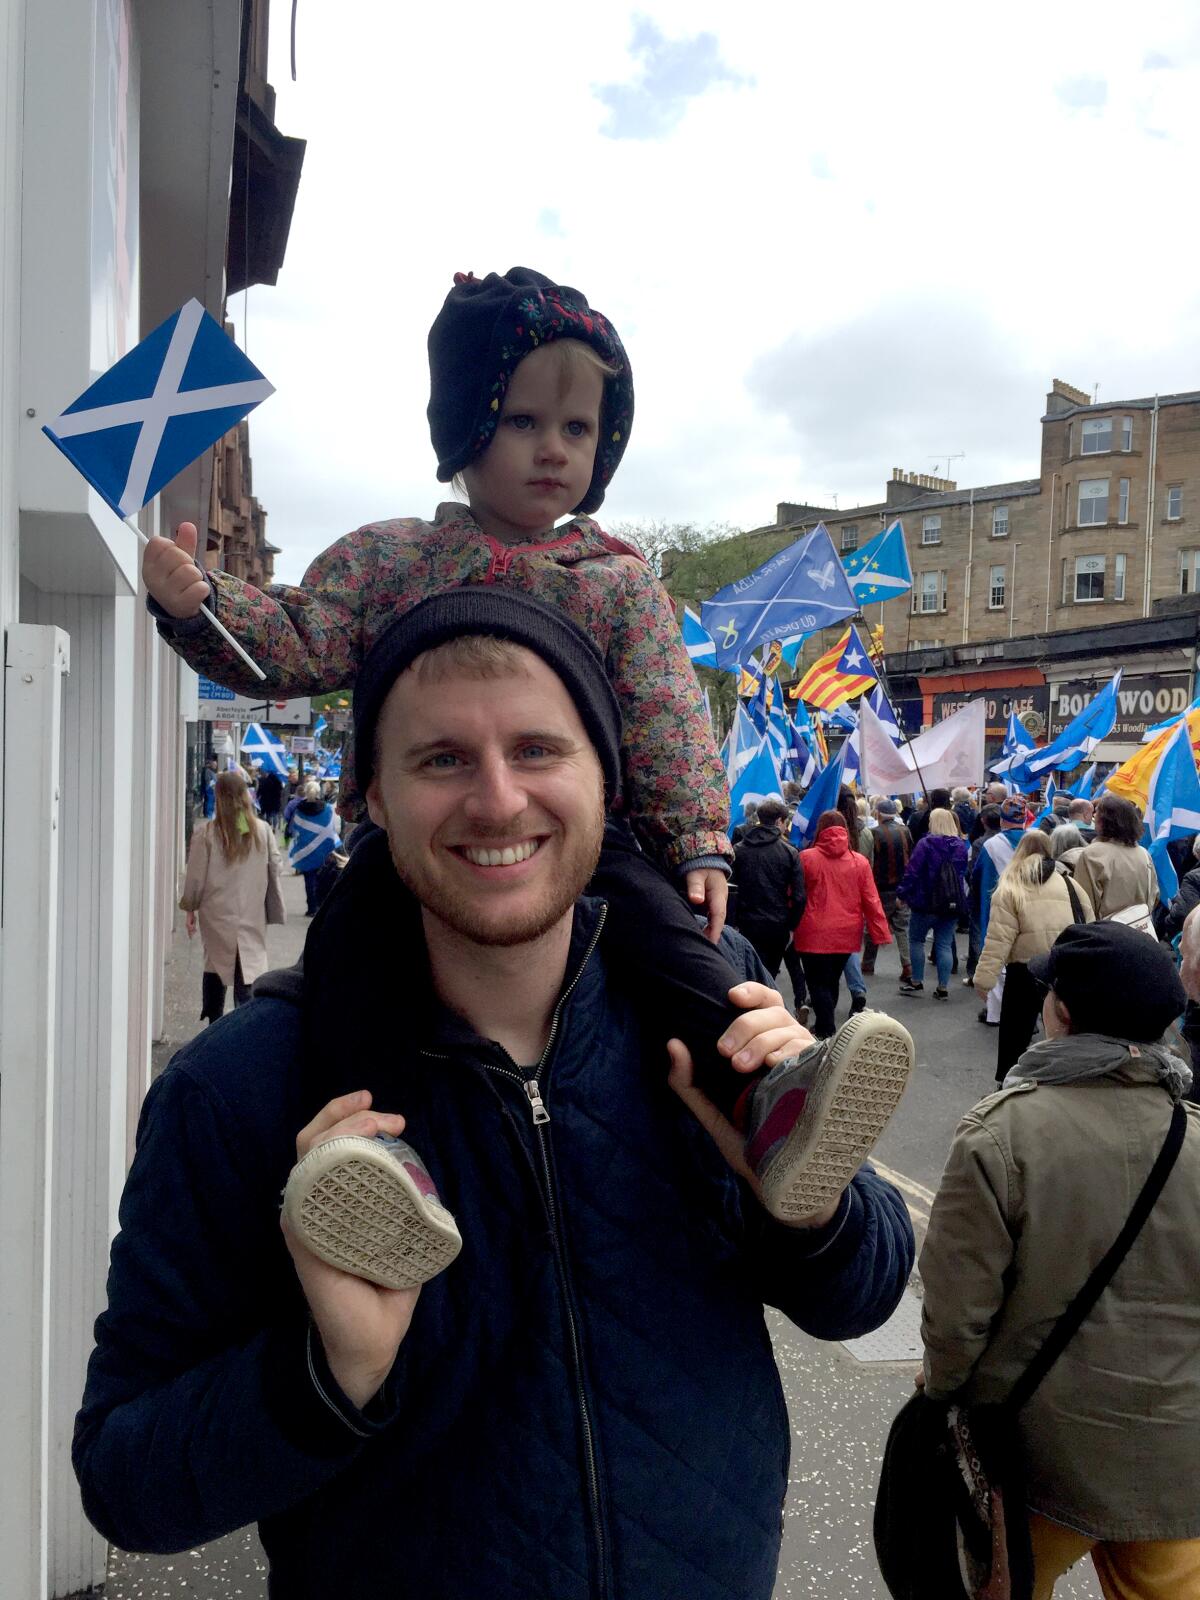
{"points": [[355, 1205], [855, 1089]]}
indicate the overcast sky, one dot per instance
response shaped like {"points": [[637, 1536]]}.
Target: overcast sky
{"points": [[833, 240]]}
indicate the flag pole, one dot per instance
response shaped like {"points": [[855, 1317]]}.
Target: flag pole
{"points": [[883, 684], [212, 617]]}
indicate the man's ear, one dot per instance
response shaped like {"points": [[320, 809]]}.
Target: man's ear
{"points": [[1060, 1010], [375, 804]]}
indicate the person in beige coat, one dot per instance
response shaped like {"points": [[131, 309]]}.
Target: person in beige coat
{"points": [[1114, 869], [1041, 1178], [233, 888], [1031, 906]]}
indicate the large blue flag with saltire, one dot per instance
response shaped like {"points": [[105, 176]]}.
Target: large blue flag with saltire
{"points": [[1173, 808], [1073, 745], [822, 796], [880, 570], [799, 590], [149, 416]]}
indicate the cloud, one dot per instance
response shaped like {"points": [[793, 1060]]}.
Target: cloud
{"points": [[1082, 94], [1156, 61], [672, 72], [904, 385], [818, 165], [550, 223]]}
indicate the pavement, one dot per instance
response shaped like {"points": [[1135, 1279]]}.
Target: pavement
{"points": [[841, 1397]]}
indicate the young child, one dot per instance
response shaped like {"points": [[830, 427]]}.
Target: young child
{"points": [[530, 409]]}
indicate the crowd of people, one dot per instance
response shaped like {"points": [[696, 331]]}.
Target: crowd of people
{"points": [[547, 1139]]}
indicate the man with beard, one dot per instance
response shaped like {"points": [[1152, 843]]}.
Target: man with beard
{"points": [[581, 1401]]}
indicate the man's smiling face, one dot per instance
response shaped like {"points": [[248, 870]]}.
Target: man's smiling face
{"points": [[491, 793]]}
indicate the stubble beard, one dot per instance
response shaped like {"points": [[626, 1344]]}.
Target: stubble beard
{"points": [[460, 911]]}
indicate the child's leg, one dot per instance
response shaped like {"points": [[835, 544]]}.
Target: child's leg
{"points": [[679, 979]]}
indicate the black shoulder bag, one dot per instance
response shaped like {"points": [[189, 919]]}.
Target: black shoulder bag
{"points": [[950, 1516]]}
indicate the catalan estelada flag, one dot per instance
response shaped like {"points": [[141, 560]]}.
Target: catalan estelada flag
{"points": [[839, 675]]}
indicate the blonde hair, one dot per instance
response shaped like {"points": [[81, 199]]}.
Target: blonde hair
{"points": [[477, 655], [1026, 871], [232, 802], [945, 823]]}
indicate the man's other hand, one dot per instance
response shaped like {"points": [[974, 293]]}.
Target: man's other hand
{"points": [[171, 575], [361, 1324]]}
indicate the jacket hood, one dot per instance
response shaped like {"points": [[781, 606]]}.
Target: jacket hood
{"points": [[944, 846], [833, 841], [761, 834]]}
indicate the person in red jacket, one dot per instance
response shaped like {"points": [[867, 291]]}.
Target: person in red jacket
{"points": [[840, 895]]}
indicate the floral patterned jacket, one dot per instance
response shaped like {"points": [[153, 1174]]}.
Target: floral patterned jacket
{"points": [[311, 639]]}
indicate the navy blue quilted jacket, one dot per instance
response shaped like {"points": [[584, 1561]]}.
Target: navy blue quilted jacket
{"points": [[586, 1406]]}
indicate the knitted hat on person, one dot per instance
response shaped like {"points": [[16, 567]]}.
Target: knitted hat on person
{"points": [[1113, 979], [1013, 810], [501, 614], [479, 337]]}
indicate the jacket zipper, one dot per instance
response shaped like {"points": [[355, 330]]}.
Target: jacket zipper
{"points": [[541, 1123], [502, 554]]}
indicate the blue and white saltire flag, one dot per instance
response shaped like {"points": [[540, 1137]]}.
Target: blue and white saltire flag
{"points": [[740, 744], [1172, 808], [319, 726], [841, 720], [313, 838], [158, 408], [1169, 722], [809, 764], [697, 640], [261, 745], [822, 796], [882, 707], [758, 781], [1016, 739], [790, 649], [801, 589], [1076, 741], [880, 570], [1082, 788]]}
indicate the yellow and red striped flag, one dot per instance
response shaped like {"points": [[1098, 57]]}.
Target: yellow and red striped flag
{"points": [[839, 675]]}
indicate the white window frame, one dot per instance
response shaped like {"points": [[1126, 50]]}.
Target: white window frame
{"points": [[849, 537], [1122, 500], [1126, 434], [997, 588], [1189, 571], [1091, 522], [1101, 571], [919, 594], [931, 530], [1000, 522], [1175, 495], [1119, 575], [1096, 428]]}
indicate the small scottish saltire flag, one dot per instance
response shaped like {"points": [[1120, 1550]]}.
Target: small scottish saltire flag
{"points": [[758, 780], [147, 418], [1077, 740], [1082, 788], [882, 707], [1173, 808], [797, 591], [790, 649], [262, 746], [881, 569], [1017, 737], [822, 796], [742, 743], [697, 640], [319, 726]]}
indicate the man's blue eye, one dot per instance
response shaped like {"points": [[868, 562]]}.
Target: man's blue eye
{"points": [[444, 759]]}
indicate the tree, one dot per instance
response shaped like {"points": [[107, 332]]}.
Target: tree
{"points": [[661, 541]]}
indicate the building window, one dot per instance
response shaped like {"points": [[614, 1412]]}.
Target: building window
{"points": [[1174, 502], [996, 588], [1118, 577], [1189, 572], [1123, 500], [1000, 522], [1096, 436], [929, 592], [850, 536], [1093, 502], [1089, 579], [931, 530], [1126, 433]]}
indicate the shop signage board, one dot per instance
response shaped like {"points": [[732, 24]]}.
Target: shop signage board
{"points": [[1141, 702], [217, 701], [303, 745], [999, 703]]}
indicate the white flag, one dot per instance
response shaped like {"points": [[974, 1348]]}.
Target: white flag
{"points": [[949, 753]]}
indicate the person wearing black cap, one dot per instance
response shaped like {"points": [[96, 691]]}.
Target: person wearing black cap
{"points": [[579, 1398], [1040, 1181]]}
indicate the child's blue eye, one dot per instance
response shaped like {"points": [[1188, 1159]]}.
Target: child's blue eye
{"points": [[577, 429], [520, 421]]}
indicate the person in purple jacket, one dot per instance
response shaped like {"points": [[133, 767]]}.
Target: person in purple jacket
{"points": [[935, 889]]}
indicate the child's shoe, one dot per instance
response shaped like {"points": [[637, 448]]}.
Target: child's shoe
{"points": [[813, 1119], [369, 1207]]}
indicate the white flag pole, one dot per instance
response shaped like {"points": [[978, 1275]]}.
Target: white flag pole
{"points": [[214, 620]]}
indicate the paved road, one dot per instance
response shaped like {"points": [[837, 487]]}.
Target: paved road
{"points": [[840, 1404]]}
